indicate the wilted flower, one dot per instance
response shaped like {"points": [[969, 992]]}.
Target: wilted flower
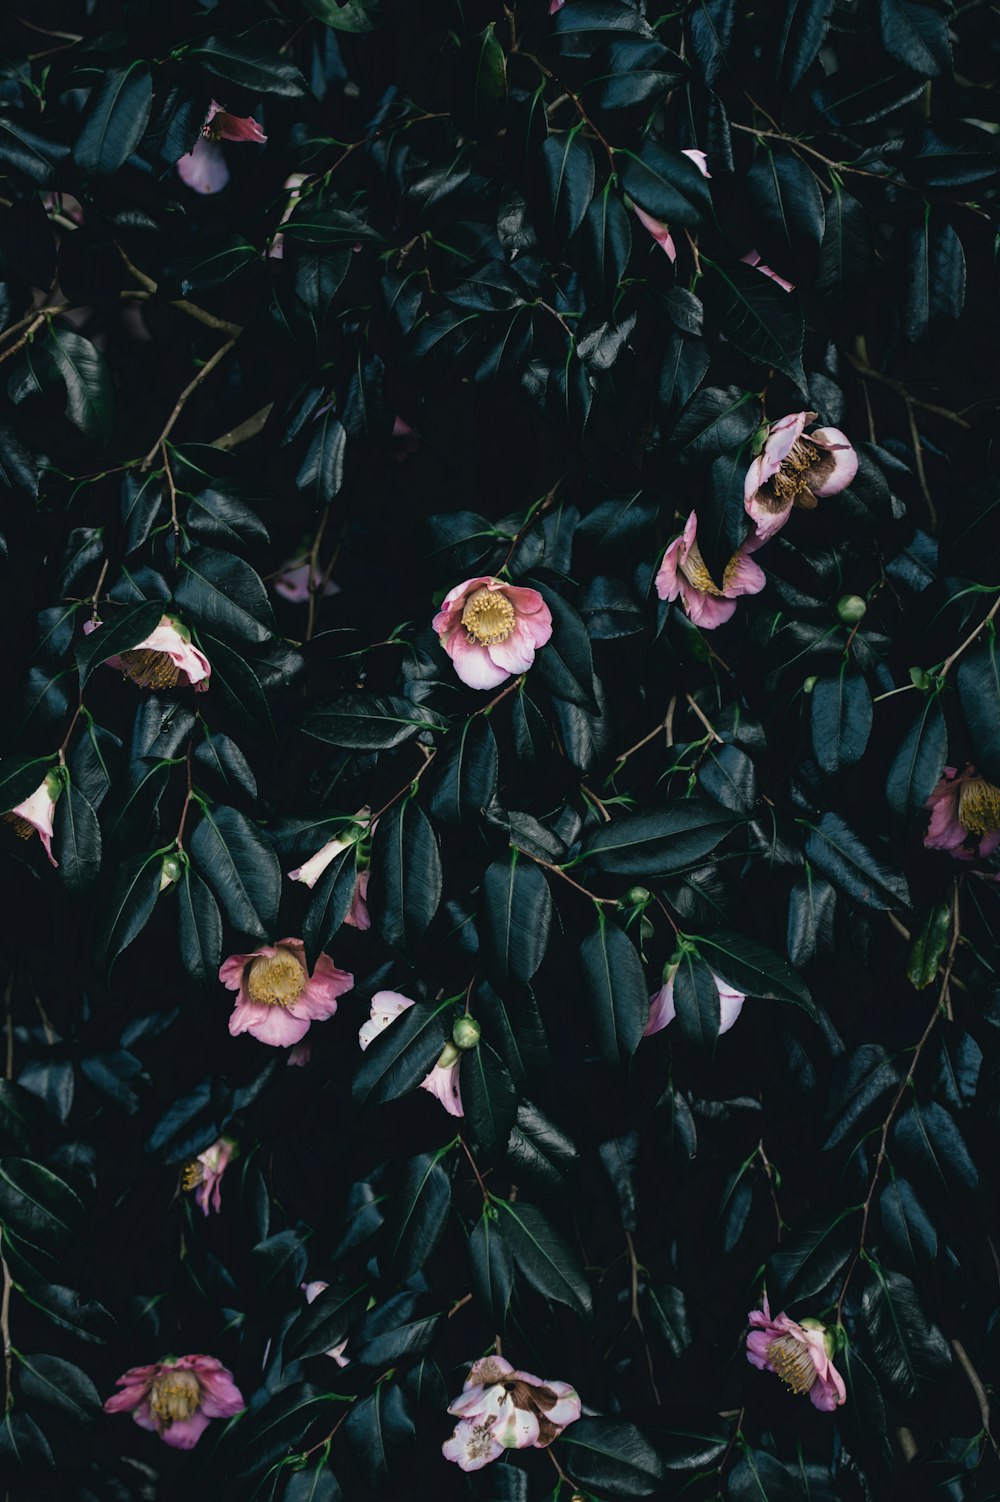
{"points": [[794, 469], [799, 1354], [684, 572], [312, 1291], [204, 1174], [311, 870], [277, 997], [503, 1409], [491, 629], [662, 1009], [964, 806], [204, 168], [177, 1397], [752, 258], [443, 1078], [163, 659], [660, 231], [34, 815]]}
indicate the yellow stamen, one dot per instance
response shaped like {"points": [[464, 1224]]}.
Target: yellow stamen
{"points": [[488, 617], [150, 669], [276, 980], [192, 1174], [20, 826], [979, 806], [695, 570], [792, 1360], [791, 483], [174, 1396]]}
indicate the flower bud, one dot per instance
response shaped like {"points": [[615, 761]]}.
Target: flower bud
{"points": [[920, 678], [851, 609], [638, 896], [646, 929], [449, 1055], [171, 871], [810, 684], [465, 1033], [54, 784]]}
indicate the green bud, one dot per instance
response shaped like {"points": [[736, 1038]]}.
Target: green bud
{"points": [[646, 929], [851, 609], [638, 896], [465, 1033], [810, 684], [171, 871], [920, 678]]}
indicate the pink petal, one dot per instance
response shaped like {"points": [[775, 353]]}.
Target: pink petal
{"points": [[707, 611], [661, 1010], [743, 577], [468, 1450], [385, 1008], [443, 1082], [758, 1342], [231, 970], [184, 1434], [359, 917], [659, 231], [319, 999], [237, 128], [221, 1398], [700, 160], [272, 1025], [204, 169], [845, 460], [473, 663]]}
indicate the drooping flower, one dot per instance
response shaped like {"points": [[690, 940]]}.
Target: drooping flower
{"points": [[965, 815], [165, 659], [752, 258], [204, 1174], [293, 187], [663, 1010], [312, 1291], [794, 469], [204, 168], [277, 997], [177, 1397], [311, 870], [491, 630], [503, 1409], [799, 1353], [442, 1080], [657, 228], [684, 572], [34, 814]]}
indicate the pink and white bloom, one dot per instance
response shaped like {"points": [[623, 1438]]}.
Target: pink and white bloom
{"points": [[684, 573], [795, 468], [797, 1353], [965, 815], [293, 187], [277, 999], [752, 258], [503, 1409], [34, 815], [177, 1397], [204, 168], [555, 5], [204, 1174], [312, 1291], [662, 1009], [442, 1080], [491, 630], [311, 870], [660, 231], [166, 658]]}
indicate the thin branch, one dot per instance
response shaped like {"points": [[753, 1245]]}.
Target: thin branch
{"points": [[870, 374], [704, 720], [975, 1382], [663, 725], [778, 135], [475, 1169], [429, 756], [637, 1317], [223, 325], [918, 460], [8, 1355], [558, 870], [186, 394], [946, 665]]}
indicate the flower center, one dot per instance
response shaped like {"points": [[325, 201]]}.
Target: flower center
{"points": [[174, 1396], [276, 980], [695, 571], [480, 1440], [150, 669], [488, 616], [20, 826], [792, 1360], [979, 806], [791, 483], [192, 1175]]}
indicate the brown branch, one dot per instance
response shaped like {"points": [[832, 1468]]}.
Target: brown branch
{"points": [[605, 901], [429, 756], [223, 325], [475, 1169], [946, 666], [704, 720], [637, 1317], [870, 374], [778, 135], [918, 460], [664, 724], [975, 1382], [186, 394]]}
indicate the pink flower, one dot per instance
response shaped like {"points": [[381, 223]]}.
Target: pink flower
{"points": [[662, 1009], [683, 572], [293, 583], [797, 1353], [312, 1291], [404, 439], [491, 630], [311, 870], [177, 1397], [293, 187], [34, 814], [205, 1174], [752, 258], [162, 659], [443, 1078], [660, 231], [503, 1409], [555, 5], [963, 806], [204, 168], [794, 469], [277, 997]]}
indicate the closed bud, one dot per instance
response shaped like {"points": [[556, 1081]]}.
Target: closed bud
{"points": [[465, 1033], [638, 896], [920, 678], [646, 929], [449, 1055], [810, 684], [171, 871], [851, 609]]}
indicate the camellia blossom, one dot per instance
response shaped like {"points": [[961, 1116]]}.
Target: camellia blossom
{"points": [[204, 168], [752, 258], [799, 1354], [660, 231], [491, 630], [311, 870], [34, 815], [177, 1397], [965, 815], [503, 1409], [312, 1291], [204, 1174], [442, 1081], [277, 997], [165, 658], [684, 573], [794, 469], [662, 1009]]}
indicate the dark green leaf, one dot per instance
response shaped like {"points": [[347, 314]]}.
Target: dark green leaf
{"points": [[77, 841], [564, 186], [120, 632], [758, 317], [222, 593], [615, 987], [614, 1457], [979, 692], [798, 36], [515, 914], [330, 902], [492, 1269], [565, 665], [406, 879], [418, 1212], [787, 197], [543, 1255], [840, 719], [90, 393], [398, 1059], [241, 868], [278, 1429], [836, 850], [667, 184], [199, 928], [919, 762], [366, 722], [916, 35], [60, 1385], [129, 907], [489, 1098], [114, 119], [383, 1435], [659, 842], [39, 1206], [465, 777], [814, 1254], [908, 1351], [245, 61], [321, 472], [696, 997], [346, 15]]}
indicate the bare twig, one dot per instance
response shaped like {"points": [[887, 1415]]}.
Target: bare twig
{"points": [[946, 665], [186, 394], [704, 719], [558, 870], [869, 373], [637, 1317], [223, 325], [975, 1382], [918, 460], [664, 724]]}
